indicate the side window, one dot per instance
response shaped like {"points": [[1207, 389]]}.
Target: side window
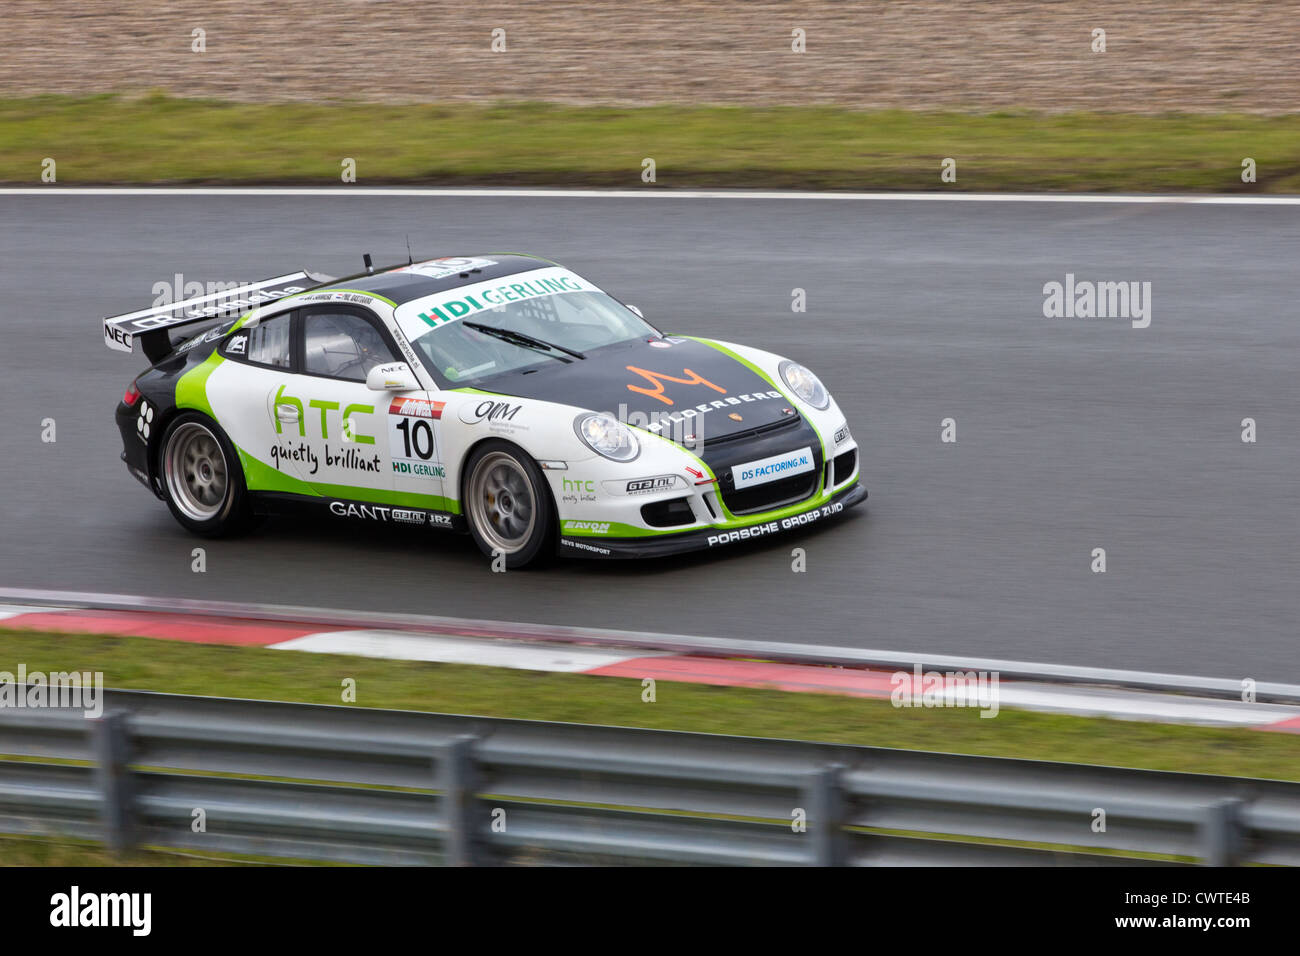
{"points": [[342, 345], [266, 344]]}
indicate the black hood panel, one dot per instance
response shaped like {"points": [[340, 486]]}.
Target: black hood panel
{"points": [[676, 387]]}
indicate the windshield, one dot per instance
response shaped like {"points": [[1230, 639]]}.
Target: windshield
{"points": [[552, 329]]}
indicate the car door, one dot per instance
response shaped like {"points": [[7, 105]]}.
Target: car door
{"points": [[338, 419]]}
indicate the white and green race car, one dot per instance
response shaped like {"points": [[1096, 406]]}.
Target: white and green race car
{"points": [[501, 395]]}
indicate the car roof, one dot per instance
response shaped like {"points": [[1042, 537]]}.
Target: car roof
{"points": [[404, 286]]}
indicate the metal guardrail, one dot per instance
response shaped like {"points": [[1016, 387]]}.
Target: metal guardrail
{"points": [[356, 785]]}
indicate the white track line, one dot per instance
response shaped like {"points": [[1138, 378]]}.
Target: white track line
{"points": [[399, 645], [1136, 705], [648, 193], [17, 610]]}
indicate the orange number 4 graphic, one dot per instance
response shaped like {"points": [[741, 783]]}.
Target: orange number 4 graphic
{"points": [[658, 378]]}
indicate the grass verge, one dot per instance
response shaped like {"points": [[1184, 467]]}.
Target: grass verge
{"points": [[66, 851], [149, 664], [108, 139]]}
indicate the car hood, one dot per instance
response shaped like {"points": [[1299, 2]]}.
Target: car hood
{"points": [[677, 387]]}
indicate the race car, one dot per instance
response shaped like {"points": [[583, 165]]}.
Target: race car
{"points": [[501, 395]]}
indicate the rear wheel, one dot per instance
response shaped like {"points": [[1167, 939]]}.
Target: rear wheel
{"points": [[201, 477], [508, 504]]}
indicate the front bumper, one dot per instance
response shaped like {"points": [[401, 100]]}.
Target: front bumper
{"points": [[669, 543]]}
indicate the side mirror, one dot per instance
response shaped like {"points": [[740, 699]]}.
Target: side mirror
{"points": [[396, 377], [632, 308]]}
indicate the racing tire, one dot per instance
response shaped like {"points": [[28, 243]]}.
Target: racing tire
{"points": [[202, 479], [508, 505]]}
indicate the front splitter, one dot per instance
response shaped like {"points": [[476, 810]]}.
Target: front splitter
{"points": [[708, 538]]}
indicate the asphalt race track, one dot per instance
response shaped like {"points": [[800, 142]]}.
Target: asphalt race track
{"points": [[1072, 434]]}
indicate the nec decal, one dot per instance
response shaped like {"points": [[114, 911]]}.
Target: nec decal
{"points": [[117, 338]]}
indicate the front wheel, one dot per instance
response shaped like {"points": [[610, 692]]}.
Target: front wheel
{"points": [[202, 479], [508, 504]]}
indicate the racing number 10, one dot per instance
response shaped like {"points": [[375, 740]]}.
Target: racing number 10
{"points": [[418, 434]]}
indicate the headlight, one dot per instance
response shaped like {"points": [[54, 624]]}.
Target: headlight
{"points": [[805, 384], [606, 435]]}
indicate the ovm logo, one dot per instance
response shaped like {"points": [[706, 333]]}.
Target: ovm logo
{"points": [[489, 410]]}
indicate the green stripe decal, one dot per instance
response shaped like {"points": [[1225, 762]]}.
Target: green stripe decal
{"points": [[262, 477], [607, 529], [732, 355], [191, 388]]}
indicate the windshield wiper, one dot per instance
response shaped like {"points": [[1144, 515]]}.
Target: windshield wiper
{"points": [[519, 338]]}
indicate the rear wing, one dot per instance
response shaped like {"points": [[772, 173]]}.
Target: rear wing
{"points": [[151, 326]]}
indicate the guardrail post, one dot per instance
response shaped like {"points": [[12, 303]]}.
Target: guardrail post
{"points": [[824, 795], [1221, 836], [111, 745], [459, 784]]}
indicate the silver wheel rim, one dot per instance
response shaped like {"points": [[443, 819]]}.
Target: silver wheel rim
{"points": [[195, 470], [501, 502]]}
